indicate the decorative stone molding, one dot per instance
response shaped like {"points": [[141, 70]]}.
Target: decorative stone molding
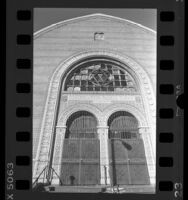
{"points": [[56, 164], [128, 108], [150, 157], [102, 113], [98, 36], [64, 98], [78, 107], [48, 123], [104, 155]]}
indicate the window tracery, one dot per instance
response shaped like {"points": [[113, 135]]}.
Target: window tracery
{"points": [[100, 75]]}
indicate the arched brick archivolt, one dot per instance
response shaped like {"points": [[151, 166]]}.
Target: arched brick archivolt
{"points": [[48, 126], [102, 115], [79, 107], [128, 108]]}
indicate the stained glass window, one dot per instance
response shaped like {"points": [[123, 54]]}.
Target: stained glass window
{"points": [[100, 75]]}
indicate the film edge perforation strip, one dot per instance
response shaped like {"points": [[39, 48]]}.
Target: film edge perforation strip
{"points": [[23, 88]]}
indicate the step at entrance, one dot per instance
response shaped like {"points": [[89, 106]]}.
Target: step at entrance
{"points": [[75, 189]]}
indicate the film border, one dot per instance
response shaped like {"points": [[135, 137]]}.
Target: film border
{"points": [[169, 90]]}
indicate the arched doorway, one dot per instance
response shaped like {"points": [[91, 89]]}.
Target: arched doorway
{"points": [[81, 152], [126, 151]]}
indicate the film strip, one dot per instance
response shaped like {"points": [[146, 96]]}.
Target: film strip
{"points": [[169, 112]]}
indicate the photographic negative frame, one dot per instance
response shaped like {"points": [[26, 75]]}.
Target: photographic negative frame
{"points": [[169, 52]]}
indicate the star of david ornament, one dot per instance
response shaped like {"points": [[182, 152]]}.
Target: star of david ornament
{"points": [[100, 77]]}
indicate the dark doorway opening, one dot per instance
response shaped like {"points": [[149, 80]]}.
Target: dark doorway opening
{"points": [[127, 155], [81, 151]]}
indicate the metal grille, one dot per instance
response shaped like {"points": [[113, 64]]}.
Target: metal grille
{"points": [[80, 162], [128, 162], [81, 156], [127, 156], [81, 124], [123, 125]]}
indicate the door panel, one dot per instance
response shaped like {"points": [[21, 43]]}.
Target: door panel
{"points": [[128, 162], [80, 162], [70, 173], [90, 149], [117, 150], [126, 147], [122, 175], [139, 174], [81, 150], [136, 149], [71, 149], [90, 174]]}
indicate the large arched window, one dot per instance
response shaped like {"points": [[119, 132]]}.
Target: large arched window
{"points": [[100, 74]]}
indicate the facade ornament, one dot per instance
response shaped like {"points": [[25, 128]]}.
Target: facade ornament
{"points": [[98, 36]]}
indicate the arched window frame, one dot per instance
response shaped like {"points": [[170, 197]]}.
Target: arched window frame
{"points": [[128, 131], [84, 131], [117, 89]]}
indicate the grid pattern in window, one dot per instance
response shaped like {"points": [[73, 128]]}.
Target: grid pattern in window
{"points": [[100, 76]]}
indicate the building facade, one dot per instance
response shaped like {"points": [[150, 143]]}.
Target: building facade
{"points": [[94, 102]]}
